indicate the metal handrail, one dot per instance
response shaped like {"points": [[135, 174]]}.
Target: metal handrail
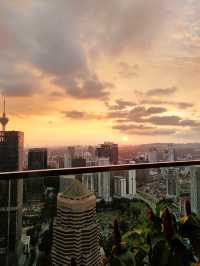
{"points": [[91, 169]]}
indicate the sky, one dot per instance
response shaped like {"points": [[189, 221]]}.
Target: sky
{"points": [[83, 72]]}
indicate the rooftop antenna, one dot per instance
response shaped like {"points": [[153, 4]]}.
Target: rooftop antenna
{"points": [[3, 119]]}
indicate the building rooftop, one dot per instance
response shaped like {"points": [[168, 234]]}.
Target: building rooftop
{"points": [[75, 189]]}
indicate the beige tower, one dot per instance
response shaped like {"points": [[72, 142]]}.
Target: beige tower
{"points": [[76, 232]]}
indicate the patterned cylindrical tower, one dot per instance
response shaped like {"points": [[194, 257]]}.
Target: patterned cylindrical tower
{"points": [[76, 232]]}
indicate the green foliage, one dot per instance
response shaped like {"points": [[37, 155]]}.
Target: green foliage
{"points": [[163, 204], [190, 229], [160, 253], [125, 258], [136, 239], [135, 227], [140, 255], [172, 253], [135, 210]]}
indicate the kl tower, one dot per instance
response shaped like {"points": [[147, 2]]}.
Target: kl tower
{"points": [[3, 119]]}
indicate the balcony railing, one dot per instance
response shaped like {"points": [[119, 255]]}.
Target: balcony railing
{"points": [[139, 209], [93, 169]]}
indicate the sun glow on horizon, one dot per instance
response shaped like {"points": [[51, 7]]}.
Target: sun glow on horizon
{"points": [[125, 138]]}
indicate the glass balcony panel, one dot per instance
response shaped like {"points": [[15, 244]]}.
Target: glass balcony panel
{"points": [[100, 218]]}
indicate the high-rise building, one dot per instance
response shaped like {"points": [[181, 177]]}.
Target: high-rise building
{"points": [[11, 192], [131, 183], [195, 189], [34, 187], [142, 175], [68, 156], [37, 158], [104, 182], [153, 155], [108, 150], [90, 180], [11, 151], [171, 153], [71, 151], [76, 232], [120, 186], [70, 160], [172, 182], [59, 160]]}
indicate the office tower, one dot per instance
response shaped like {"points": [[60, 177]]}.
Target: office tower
{"points": [[131, 183], [70, 160], [76, 232], [91, 150], [153, 155], [25, 160], [78, 162], [34, 188], [195, 189], [120, 186], [171, 153], [37, 158], [11, 151], [104, 183], [108, 150], [88, 181], [69, 154], [59, 161], [11, 193], [71, 151], [172, 182], [142, 175], [91, 180], [132, 180]]}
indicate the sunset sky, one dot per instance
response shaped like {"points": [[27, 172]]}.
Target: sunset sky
{"points": [[85, 71]]}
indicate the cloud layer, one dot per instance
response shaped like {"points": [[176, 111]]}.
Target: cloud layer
{"points": [[55, 38], [134, 64]]}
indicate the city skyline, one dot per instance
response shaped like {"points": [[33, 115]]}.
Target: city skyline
{"points": [[76, 73]]}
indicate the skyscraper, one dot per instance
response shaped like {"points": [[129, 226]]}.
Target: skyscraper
{"points": [[120, 186], [76, 232], [104, 181], [195, 189], [34, 187], [131, 183], [37, 158], [172, 182], [153, 155], [171, 153], [71, 159], [110, 150], [11, 192], [142, 175]]}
